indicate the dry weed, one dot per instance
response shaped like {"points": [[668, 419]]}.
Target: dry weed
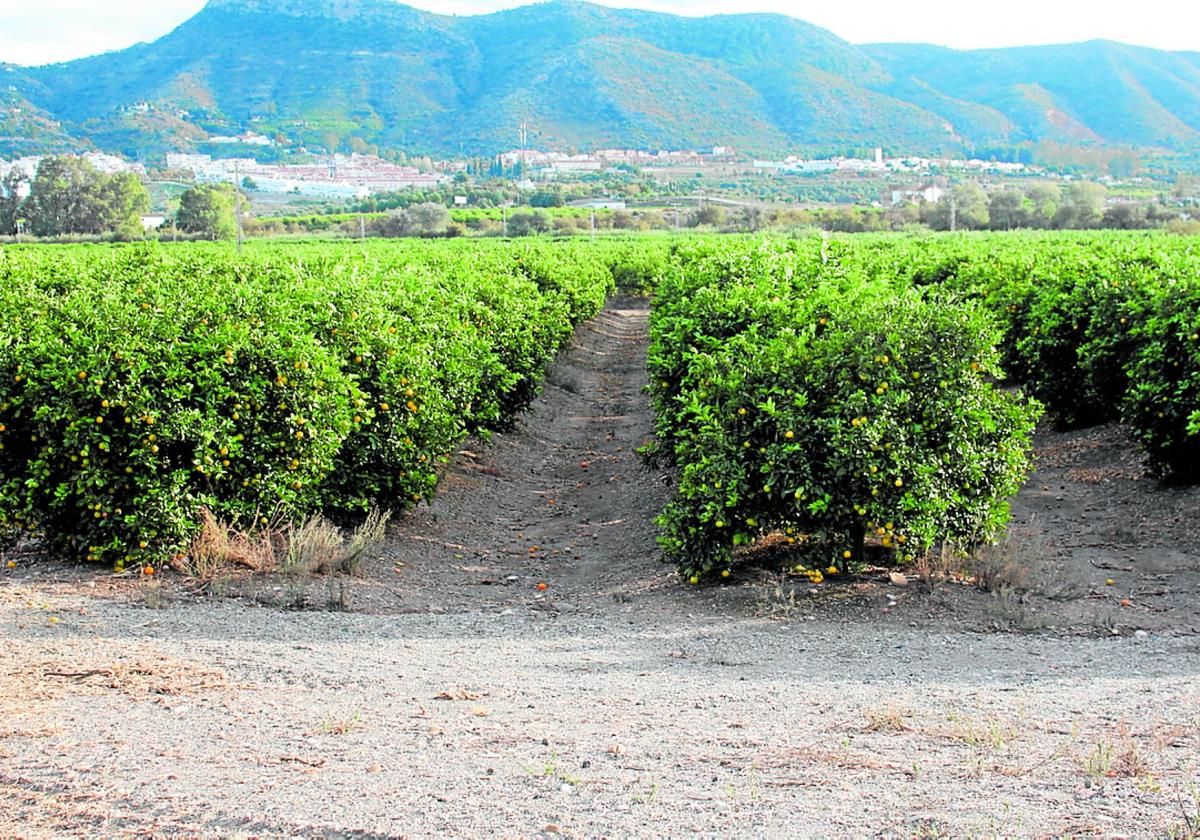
{"points": [[888, 717], [220, 548]]}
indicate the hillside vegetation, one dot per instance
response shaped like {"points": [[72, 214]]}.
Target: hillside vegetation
{"points": [[326, 73]]}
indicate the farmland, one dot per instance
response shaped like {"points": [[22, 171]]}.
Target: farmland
{"points": [[815, 387], [851, 388], [516, 638]]}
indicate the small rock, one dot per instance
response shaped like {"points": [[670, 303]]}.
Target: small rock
{"points": [[1140, 634]]}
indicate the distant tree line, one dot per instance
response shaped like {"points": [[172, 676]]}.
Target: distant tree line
{"points": [[1082, 205], [69, 196]]}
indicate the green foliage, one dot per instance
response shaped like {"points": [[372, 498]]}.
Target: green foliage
{"points": [[1163, 401], [140, 385], [796, 396], [1098, 325], [68, 196], [209, 211]]}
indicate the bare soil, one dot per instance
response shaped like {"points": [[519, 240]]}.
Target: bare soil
{"points": [[517, 661]]}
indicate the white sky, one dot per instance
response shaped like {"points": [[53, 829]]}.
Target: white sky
{"points": [[43, 31]]}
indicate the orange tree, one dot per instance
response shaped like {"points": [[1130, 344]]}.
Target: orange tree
{"points": [[141, 384], [795, 397]]}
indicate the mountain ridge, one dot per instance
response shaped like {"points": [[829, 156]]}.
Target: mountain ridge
{"points": [[358, 74]]}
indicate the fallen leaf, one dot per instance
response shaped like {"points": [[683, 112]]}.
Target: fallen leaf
{"points": [[898, 578], [480, 711]]}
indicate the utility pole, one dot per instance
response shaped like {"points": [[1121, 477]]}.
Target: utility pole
{"points": [[593, 224], [362, 227], [953, 214], [237, 206]]}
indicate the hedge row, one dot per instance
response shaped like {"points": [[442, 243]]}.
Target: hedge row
{"points": [[140, 384], [1100, 327]]}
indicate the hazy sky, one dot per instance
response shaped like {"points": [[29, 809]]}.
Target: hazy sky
{"points": [[42, 31]]}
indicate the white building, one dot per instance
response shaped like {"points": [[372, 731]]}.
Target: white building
{"points": [[929, 194]]}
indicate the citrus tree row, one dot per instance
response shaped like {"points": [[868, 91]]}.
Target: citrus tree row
{"points": [[141, 384], [1100, 326], [803, 399]]}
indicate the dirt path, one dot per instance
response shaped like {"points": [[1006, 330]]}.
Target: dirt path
{"points": [[562, 500], [460, 699]]}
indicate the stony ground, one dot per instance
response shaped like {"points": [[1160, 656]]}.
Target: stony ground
{"points": [[458, 698]]}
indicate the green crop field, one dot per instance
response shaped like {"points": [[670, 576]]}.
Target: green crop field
{"points": [[884, 389], [848, 394]]}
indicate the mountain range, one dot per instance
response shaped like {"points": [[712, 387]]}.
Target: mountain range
{"points": [[359, 73]]}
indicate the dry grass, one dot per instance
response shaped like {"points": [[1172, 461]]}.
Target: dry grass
{"points": [[365, 537], [888, 717], [222, 548], [315, 546], [46, 672]]}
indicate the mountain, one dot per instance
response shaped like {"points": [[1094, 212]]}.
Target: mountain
{"points": [[352, 73]]}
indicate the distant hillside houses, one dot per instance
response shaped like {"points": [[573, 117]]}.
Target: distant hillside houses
{"points": [[340, 176], [250, 138], [928, 194], [550, 165], [794, 165]]}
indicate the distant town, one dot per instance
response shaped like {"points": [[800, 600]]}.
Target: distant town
{"points": [[355, 176], [858, 190]]}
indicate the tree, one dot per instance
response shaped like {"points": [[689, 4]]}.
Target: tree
{"points": [[712, 215], [64, 198], [525, 223], [68, 196], [1082, 206], [208, 210], [748, 219], [1126, 216], [1007, 210], [1043, 200], [124, 200], [13, 190], [428, 219], [965, 208]]}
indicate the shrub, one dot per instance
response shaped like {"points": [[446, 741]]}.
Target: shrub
{"points": [[829, 408]]}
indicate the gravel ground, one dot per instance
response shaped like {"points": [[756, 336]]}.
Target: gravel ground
{"points": [[458, 699], [222, 719]]}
